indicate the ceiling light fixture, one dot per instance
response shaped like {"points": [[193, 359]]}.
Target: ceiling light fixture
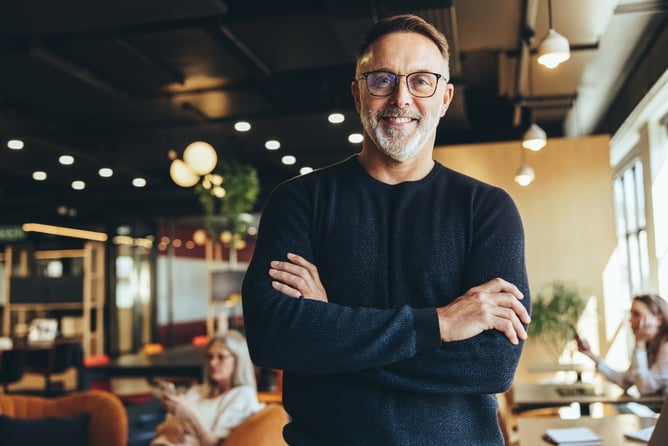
{"points": [[15, 144], [525, 174], [105, 172], [139, 182], [535, 138], [554, 48], [336, 118], [242, 126], [288, 160], [272, 144], [199, 159], [181, 174], [66, 160], [355, 138]]}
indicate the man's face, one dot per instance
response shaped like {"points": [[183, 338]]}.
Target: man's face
{"points": [[401, 125]]}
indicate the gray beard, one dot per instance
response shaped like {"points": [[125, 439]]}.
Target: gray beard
{"points": [[394, 143]]}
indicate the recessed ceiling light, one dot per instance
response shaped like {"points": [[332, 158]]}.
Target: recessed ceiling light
{"points": [[336, 118], [306, 169], [272, 144], [39, 175], [15, 144], [288, 160], [355, 138], [78, 185], [242, 126], [139, 182], [66, 160], [105, 172]]}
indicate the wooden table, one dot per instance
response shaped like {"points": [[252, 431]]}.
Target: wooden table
{"points": [[535, 395], [611, 429], [183, 361]]}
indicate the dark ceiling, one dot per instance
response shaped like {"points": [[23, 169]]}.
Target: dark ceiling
{"points": [[121, 83]]}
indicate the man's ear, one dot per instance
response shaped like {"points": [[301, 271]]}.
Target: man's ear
{"points": [[355, 90], [447, 98]]}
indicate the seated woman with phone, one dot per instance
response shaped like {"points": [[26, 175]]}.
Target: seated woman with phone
{"points": [[649, 364], [206, 413]]}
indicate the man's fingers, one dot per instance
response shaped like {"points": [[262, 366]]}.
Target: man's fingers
{"points": [[498, 285], [507, 321], [301, 261], [285, 289]]}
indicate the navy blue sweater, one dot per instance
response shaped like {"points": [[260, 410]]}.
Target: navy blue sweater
{"points": [[368, 367]]}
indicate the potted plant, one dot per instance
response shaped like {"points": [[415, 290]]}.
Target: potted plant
{"points": [[228, 192], [555, 311]]}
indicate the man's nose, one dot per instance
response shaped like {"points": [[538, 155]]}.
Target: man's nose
{"points": [[401, 94]]}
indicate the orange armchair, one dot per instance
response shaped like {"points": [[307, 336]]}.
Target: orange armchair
{"points": [[108, 422], [264, 428]]}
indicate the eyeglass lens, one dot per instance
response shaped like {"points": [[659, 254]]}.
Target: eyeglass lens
{"points": [[383, 83]]}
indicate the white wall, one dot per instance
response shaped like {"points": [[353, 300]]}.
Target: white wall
{"points": [[188, 278]]}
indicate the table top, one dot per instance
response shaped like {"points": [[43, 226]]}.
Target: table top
{"points": [[611, 429], [182, 361], [529, 395], [176, 356]]}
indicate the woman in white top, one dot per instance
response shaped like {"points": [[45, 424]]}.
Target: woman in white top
{"points": [[649, 364], [206, 413]]}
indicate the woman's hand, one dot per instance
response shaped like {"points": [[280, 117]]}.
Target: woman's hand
{"points": [[180, 406], [583, 345], [174, 430], [296, 278]]}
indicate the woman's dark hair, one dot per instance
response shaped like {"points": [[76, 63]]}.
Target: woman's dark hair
{"points": [[657, 306]]}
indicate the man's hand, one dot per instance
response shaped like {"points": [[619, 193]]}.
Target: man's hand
{"points": [[296, 278], [494, 305]]}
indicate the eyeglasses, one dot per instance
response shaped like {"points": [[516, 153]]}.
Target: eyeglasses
{"points": [[222, 358], [421, 84]]}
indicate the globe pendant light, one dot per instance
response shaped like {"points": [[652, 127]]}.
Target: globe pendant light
{"points": [[201, 157], [182, 174]]}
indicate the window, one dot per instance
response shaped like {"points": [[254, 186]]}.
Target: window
{"points": [[631, 226]]}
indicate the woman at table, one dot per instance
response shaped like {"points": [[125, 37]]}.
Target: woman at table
{"points": [[206, 413], [649, 364]]}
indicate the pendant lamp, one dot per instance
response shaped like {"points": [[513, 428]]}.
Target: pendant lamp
{"points": [[554, 48]]}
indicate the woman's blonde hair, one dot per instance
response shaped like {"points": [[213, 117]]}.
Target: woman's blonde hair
{"points": [[244, 369]]}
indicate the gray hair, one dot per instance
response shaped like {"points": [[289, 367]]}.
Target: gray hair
{"points": [[406, 23]]}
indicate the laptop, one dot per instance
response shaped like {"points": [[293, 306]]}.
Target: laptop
{"points": [[42, 331], [660, 434]]}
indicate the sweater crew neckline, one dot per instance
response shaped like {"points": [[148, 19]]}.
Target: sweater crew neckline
{"points": [[354, 160]]}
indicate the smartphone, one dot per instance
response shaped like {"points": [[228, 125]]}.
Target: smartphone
{"points": [[167, 387]]}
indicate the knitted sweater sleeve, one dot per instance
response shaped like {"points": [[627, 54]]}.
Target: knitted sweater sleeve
{"points": [[312, 337], [485, 363]]}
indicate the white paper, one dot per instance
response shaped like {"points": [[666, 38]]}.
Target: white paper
{"points": [[642, 434], [573, 436]]}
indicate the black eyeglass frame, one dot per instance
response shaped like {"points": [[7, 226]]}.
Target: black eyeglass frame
{"points": [[366, 74]]}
